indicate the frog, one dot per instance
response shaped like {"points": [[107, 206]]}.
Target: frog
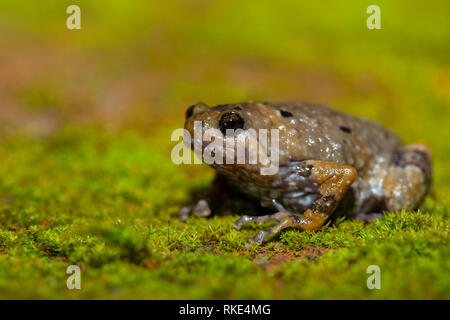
{"points": [[330, 164]]}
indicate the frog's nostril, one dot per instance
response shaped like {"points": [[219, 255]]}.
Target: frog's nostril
{"points": [[190, 111]]}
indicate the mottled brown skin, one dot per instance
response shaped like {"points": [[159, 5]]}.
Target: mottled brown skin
{"points": [[325, 157]]}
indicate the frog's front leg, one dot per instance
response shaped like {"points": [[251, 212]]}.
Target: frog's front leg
{"points": [[282, 213], [333, 179]]}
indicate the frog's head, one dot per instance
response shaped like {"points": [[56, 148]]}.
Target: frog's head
{"points": [[235, 123]]}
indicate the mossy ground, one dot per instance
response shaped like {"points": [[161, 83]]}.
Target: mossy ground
{"points": [[85, 124]]}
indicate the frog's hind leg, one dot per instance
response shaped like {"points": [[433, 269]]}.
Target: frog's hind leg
{"points": [[333, 179], [282, 213], [408, 179]]}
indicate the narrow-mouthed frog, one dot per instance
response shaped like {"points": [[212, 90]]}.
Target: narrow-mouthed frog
{"points": [[326, 159]]}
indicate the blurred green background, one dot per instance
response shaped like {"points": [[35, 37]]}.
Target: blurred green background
{"points": [[85, 123]]}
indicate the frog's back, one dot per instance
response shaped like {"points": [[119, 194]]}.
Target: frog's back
{"points": [[329, 135]]}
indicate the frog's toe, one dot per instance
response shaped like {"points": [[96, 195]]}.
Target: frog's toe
{"points": [[202, 209], [260, 236], [240, 222], [183, 215], [369, 217]]}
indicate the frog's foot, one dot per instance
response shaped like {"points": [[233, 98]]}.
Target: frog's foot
{"points": [[307, 221], [333, 179], [201, 209]]}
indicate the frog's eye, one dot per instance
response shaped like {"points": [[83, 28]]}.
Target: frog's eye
{"points": [[230, 120]]}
